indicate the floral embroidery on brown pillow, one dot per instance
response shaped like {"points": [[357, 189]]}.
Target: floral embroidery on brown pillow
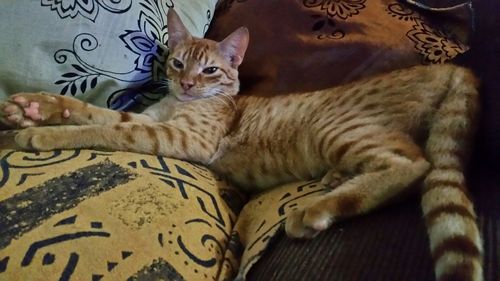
{"points": [[435, 45]]}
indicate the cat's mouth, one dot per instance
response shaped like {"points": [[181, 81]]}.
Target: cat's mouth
{"points": [[186, 97]]}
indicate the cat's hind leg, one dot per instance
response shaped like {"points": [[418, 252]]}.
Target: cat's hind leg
{"points": [[383, 174]]}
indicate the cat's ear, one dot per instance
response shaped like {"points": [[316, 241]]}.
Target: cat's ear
{"points": [[235, 46], [177, 32]]}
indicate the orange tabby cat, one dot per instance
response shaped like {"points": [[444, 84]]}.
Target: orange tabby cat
{"points": [[367, 131]]}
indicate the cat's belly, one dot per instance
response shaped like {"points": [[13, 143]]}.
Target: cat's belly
{"points": [[255, 167]]}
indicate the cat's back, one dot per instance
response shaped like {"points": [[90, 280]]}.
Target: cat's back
{"points": [[403, 95]]}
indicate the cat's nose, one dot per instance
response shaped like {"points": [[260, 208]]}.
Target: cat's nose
{"points": [[186, 85]]}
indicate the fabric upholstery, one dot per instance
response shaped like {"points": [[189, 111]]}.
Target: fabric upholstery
{"points": [[308, 45], [93, 215]]}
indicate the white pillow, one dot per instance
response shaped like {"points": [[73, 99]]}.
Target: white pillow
{"points": [[100, 51]]}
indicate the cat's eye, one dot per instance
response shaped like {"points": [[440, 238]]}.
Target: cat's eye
{"points": [[210, 70], [177, 64]]}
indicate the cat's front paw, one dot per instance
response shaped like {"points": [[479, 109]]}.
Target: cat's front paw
{"points": [[41, 139], [307, 222], [32, 109]]}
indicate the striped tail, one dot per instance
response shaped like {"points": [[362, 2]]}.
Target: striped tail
{"points": [[449, 212]]}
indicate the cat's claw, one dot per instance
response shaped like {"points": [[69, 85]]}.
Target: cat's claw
{"points": [[332, 179], [307, 222]]}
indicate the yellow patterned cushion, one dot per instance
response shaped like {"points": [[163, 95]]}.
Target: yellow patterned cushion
{"points": [[90, 215], [93, 215]]}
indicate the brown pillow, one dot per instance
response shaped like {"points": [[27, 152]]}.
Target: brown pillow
{"points": [[306, 45]]}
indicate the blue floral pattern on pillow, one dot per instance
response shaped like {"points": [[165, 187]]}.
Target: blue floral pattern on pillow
{"points": [[86, 8], [146, 42], [107, 52]]}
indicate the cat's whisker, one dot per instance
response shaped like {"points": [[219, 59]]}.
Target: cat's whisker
{"points": [[225, 97], [216, 94], [229, 102], [231, 98], [162, 82], [219, 99]]}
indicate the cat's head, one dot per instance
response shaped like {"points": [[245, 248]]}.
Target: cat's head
{"points": [[200, 68]]}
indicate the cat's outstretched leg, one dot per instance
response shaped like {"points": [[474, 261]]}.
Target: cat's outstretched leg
{"points": [[384, 176], [40, 109], [170, 139]]}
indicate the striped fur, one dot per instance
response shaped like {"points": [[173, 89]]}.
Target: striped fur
{"points": [[370, 141]]}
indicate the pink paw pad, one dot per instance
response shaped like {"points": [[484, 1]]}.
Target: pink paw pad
{"points": [[32, 111], [10, 109], [66, 113], [20, 100]]}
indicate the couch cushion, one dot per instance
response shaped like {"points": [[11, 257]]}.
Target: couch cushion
{"points": [[312, 44], [90, 215], [99, 51]]}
